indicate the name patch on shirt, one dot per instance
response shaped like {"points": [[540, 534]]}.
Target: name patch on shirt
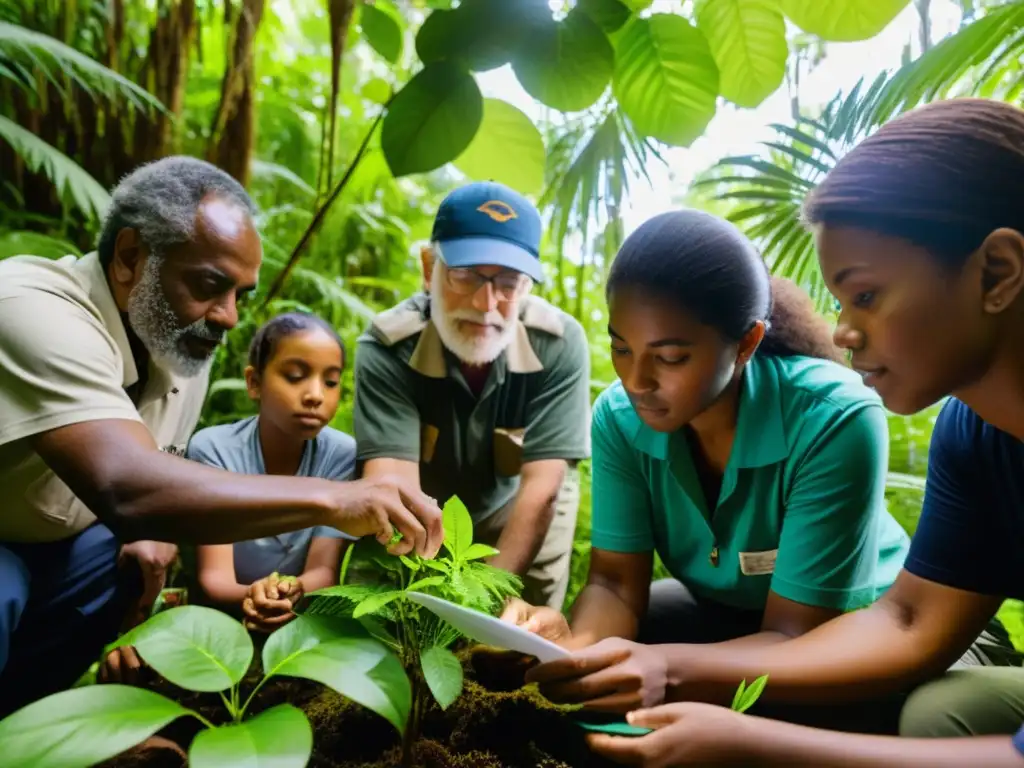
{"points": [[758, 563]]}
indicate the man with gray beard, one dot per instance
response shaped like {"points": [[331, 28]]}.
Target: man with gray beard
{"points": [[103, 371], [478, 389]]}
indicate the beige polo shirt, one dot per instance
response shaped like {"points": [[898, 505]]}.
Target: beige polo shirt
{"points": [[65, 359]]}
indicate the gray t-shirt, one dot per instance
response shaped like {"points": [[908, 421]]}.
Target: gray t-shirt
{"points": [[236, 448]]}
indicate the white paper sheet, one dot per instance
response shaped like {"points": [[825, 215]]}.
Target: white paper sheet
{"points": [[490, 630]]}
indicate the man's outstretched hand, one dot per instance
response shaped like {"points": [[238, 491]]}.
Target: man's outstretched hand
{"points": [[376, 506]]}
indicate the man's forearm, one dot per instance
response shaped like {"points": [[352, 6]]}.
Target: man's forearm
{"points": [[600, 613], [781, 745], [857, 656], [532, 512]]}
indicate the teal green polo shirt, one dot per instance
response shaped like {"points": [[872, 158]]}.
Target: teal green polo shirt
{"points": [[801, 510]]}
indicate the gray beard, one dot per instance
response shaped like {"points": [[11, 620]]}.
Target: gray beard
{"points": [[469, 350], [158, 328]]}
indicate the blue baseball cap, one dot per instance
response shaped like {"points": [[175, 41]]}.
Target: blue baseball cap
{"points": [[487, 223]]}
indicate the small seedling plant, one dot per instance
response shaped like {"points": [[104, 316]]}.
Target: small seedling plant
{"points": [[422, 641], [201, 649]]}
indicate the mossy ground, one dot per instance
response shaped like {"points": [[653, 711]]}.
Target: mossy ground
{"points": [[501, 725]]}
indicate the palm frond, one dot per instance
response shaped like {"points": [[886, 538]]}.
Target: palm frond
{"points": [[68, 177], [26, 48], [975, 60], [18, 242]]}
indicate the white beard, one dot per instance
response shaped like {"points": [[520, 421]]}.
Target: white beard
{"points": [[470, 349], [158, 328]]}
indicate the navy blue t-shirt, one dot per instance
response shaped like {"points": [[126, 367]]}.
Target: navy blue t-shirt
{"points": [[971, 532]]}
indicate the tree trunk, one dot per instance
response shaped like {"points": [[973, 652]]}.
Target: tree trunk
{"points": [[170, 46], [232, 135], [341, 12]]}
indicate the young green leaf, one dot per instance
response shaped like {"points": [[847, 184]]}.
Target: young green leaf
{"points": [[280, 736], [442, 564], [84, 726], [752, 694], [193, 647], [478, 551], [458, 527], [443, 673], [375, 603], [430, 581], [409, 563], [737, 699]]}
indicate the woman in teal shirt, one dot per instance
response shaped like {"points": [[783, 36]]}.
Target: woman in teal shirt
{"points": [[736, 447]]}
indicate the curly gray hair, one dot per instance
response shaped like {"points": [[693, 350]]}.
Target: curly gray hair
{"points": [[160, 199]]}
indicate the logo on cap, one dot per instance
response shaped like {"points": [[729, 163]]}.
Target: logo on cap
{"points": [[498, 211]]}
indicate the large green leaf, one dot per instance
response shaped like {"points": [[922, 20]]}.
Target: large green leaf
{"points": [[567, 64], [431, 120], [59, 62], [280, 737], [193, 647], [666, 80], [443, 673], [83, 726], [843, 20], [68, 177], [507, 148], [748, 41], [314, 641], [342, 657], [480, 35], [382, 26], [458, 527], [610, 15]]}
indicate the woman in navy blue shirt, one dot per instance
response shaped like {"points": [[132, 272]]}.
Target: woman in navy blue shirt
{"points": [[920, 233]]}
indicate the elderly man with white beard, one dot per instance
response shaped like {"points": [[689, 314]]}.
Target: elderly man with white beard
{"points": [[104, 363], [477, 388]]}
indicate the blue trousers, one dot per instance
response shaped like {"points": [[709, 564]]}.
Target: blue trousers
{"points": [[60, 603]]}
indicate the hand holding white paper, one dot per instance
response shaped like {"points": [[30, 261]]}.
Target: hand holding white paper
{"points": [[490, 630]]}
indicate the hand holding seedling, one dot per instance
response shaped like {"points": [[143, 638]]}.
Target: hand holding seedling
{"points": [[541, 620], [376, 506], [269, 602], [614, 675]]}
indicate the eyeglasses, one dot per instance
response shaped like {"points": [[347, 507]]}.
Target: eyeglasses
{"points": [[466, 282]]}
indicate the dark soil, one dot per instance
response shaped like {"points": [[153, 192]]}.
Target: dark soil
{"points": [[498, 726]]}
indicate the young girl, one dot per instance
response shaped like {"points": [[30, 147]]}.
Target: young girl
{"points": [[736, 447], [295, 366], [920, 235]]}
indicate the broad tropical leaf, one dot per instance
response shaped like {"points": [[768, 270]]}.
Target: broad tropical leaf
{"points": [[666, 79], [193, 647], [26, 242], [507, 148], [70, 179], [312, 642], [610, 15], [56, 60], [84, 726], [568, 64], [280, 737], [748, 41], [843, 20], [431, 120], [340, 655], [382, 26]]}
